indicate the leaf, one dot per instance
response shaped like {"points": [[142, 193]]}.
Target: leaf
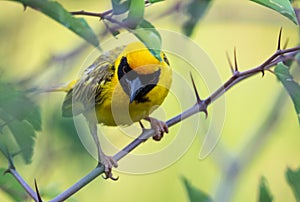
{"points": [[195, 11], [24, 135], [22, 117], [264, 192], [293, 178], [120, 6], [290, 85], [11, 187], [15, 105], [34, 118], [283, 7], [194, 194], [4, 151], [154, 1], [135, 14], [58, 13], [147, 34]]}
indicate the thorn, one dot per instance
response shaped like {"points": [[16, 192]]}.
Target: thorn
{"points": [[195, 89], [230, 63], [6, 171], [262, 72], [279, 39], [286, 43], [24, 7], [205, 112], [141, 124], [37, 191], [270, 70], [236, 69]]}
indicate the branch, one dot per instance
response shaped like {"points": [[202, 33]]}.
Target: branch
{"points": [[12, 170], [200, 106]]}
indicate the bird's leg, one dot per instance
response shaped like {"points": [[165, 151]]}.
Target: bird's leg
{"points": [[159, 127], [107, 161]]}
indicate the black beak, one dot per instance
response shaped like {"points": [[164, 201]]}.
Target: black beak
{"points": [[135, 86]]}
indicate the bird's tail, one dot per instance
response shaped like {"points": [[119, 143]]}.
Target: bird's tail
{"points": [[63, 87]]}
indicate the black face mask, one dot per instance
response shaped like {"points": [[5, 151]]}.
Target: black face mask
{"points": [[135, 85]]}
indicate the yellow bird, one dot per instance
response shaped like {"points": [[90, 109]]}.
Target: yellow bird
{"points": [[122, 86]]}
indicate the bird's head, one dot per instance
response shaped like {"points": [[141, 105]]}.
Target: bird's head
{"points": [[138, 70]]}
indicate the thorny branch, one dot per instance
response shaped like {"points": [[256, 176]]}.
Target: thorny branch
{"points": [[280, 55], [201, 105], [12, 170]]}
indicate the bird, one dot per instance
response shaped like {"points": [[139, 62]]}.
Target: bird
{"points": [[121, 87]]}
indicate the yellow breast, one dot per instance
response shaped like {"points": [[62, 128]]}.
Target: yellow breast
{"points": [[116, 108]]}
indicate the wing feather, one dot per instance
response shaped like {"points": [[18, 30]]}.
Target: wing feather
{"points": [[88, 90]]}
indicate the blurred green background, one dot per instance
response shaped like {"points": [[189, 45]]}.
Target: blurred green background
{"points": [[30, 47]]}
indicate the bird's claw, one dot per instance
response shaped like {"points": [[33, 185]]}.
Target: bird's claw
{"points": [[109, 175], [108, 162], [159, 127]]}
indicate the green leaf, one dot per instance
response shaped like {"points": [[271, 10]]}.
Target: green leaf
{"points": [[154, 1], [22, 117], [4, 151], [283, 7], [120, 6], [11, 187], [195, 11], [34, 118], [135, 14], [24, 135], [147, 34], [293, 178], [264, 192], [58, 13], [15, 105], [290, 85], [194, 194]]}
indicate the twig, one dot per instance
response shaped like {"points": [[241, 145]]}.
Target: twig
{"points": [[200, 106], [93, 14], [12, 170]]}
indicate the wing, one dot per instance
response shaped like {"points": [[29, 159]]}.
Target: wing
{"points": [[88, 89]]}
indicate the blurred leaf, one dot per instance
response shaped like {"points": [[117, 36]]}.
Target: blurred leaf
{"points": [[22, 117], [4, 151], [195, 11], [147, 34], [293, 178], [58, 13], [120, 6], [290, 85], [297, 58], [113, 30], [11, 187], [194, 194], [136, 13], [35, 119], [283, 7], [24, 135], [13, 102], [154, 1], [264, 192], [15, 105]]}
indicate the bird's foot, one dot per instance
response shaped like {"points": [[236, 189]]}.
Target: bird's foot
{"points": [[108, 162], [160, 127]]}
